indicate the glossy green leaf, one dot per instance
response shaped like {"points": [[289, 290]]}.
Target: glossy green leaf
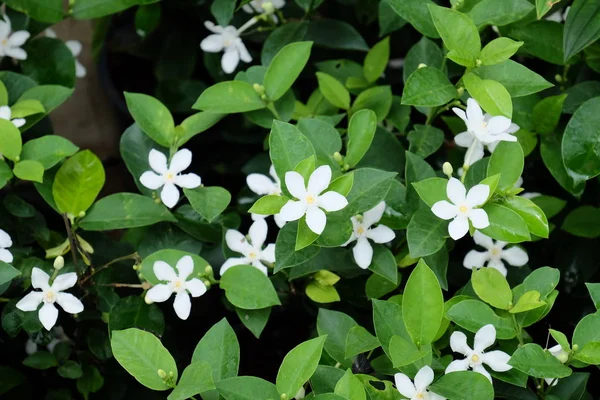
{"points": [[229, 98], [246, 388], [336, 326], [516, 78], [361, 131], [580, 142], [359, 340], [428, 87], [285, 68], [528, 301], [417, 14], [491, 95], [538, 363], [463, 385], [491, 286], [426, 234], [376, 60], [508, 161], [582, 27], [7, 272], [48, 150], [248, 288], [299, 365], [219, 348], [489, 12], [196, 378], [499, 50], [29, 170], [333, 90], [459, 34], [546, 113], [505, 224], [208, 201], [472, 315], [10, 140], [378, 99], [350, 387]]}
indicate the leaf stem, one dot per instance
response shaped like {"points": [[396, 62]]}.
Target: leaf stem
{"points": [[133, 256]]}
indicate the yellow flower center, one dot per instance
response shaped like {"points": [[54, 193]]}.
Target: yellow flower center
{"points": [[463, 209], [420, 395], [360, 230], [49, 296], [169, 176], [495, 252], [252, 255], [475, 358], [310, 199], [5, 42], [178, 284]]}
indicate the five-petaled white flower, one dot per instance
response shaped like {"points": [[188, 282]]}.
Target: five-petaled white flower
{"points": [[558, 352], [362, 232], [475, 358], [418, 390], [462, 209], [50, 294], [251, 248], [227, 39], [178, 284], [75, 47], [262, 185], [494, 254], [264, 6], [5, 243], [6, 113], [310, 200], [10, 44], [482, 130], [168, 176]]}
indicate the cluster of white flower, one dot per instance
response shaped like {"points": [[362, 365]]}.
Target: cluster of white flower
{"points": [[75, 47], [5, 242], [250, 248], [11, 42]]}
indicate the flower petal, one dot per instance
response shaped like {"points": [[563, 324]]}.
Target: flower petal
{"points": [[484, 338], [5, 112], [363, 253], [261, 267], [182, 305], [405, 385], [5, 240], [230, 60], [444, 210], [188, 181], [295, 184], [319, 180], [515, 256], [316, 220], [380, 234], [180, 161], [458, 227], [48, 315], [151, 180], [332, 201], [457, 365], [31, 301], [236, 241], [18, 122], [212, 27], [39, 279], [464, 139], [18, 39], [497, 265], [474, 113], [292, 210], [479, 218], [374, 215], [458, 343], [456, 191], [169, 195], [17, 53], [185, 266], [212, 43], [435, 396], [480, 369], [258, 233], [497, 360], [64, 281], [498, 124], [279, 220], [243, 51], [69, 303], [474, 153], [460, 113], [6, 256], [268, 254], [476, 259], [196, 287], [163, 271], [80, 70], [232, 262], [478, 195], [157, 161], [159, 293], [75, 47], [483, 240], [260, 184], [423, 378]]}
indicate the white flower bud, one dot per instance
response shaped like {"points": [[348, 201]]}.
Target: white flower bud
{"points": [[59, 262], [421, 65], [447, 169]]}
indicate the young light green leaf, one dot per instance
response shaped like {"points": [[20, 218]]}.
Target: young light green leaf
{"points": [[508, 161], [498, 50], [528, 301], [361, 131], [285, 68], [10, 140], [268, 205], [29, 170], [299, 365], [248, 288], [349, 387], [491, 286], [333, 90], [219, 348], [195, 379], [376, 60], [491, 95], [359, 340], [229, 98], [153, 117], [538, 363]]}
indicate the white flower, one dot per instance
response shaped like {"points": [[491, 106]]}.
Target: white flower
{"points": [[75, 47], [482, 130], [227, 39], [50, 294], [494, 254], [178, 284], [6, 113], [10, 44], [251, 249], [5, 243], [264, 7], [418, 390], [559, 15], [310, 200], [475, 358], [59, 336], [262, 185], [558, 352], [168, 176], [463, 208], [362, 232]]}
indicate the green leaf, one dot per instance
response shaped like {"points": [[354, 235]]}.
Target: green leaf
{"points": [[543, 39], [491, 95], [369, 188], [336, 326], [582, 27], [89, 9], [425, 140], [508, 161], [378, 99], [417, 14], [534, 217], [361, 130], [428, 87], [463, 385], [516, 78], [25, 108], [426, 52], [49, 11], [404, 353], [133, 312], [91, 381], [285, 254], [219, 348], [10, 140], [223, 10], [7, 272], [5, 173], [246, 388], [560, 339], [459, 34], [171, 257], [587, 331], [51, 96], [490, 12], [389, 21], [135, 146], [324, 137], [304, 236], [431, 190], [268, 205], [48, 150], [498, 50], [142, 355], [229, 98], [196, 124], [376, 60], [292, 31], [542, 7], [350, 387], [333, 90], [491, 286], [321, 294], [594, 289], [528, 301], [153, 117], [248, 288], [49, 61], [285, 68], [70, 370], [122, 211], [208, 201], [426, 234], [472, 315], [41, 360], [580, 142], [538, 363], [550, 149], [388, 321], [29, 170], [196, 378], [359, 340], [384, 264], [546, 114], [589, 354], [505, 224], [254, 320], [299, 365], [422, 305], [78, 182]]}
